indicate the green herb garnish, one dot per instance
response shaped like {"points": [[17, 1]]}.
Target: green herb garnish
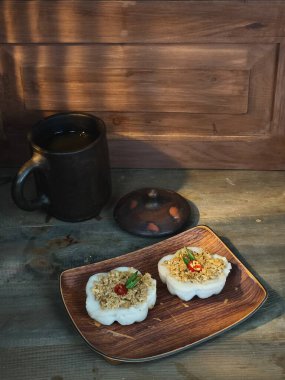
{"points": [[190, 254], [189, 257], [132, 281], [186, 260]]}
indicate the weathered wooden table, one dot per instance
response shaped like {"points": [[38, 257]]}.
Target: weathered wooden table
{"points": [[246, 209]]}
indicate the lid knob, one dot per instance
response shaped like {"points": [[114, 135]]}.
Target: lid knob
{"points": [[152, 212], [153, 193]]}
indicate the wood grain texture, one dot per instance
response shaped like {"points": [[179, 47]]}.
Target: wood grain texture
{"points": [[2, 134], [38, 341], [138, 21], [279, 101], [64, 78], [202, 79], [173, 323], [165, 76], [263, 153], [1, 127], [87, 89]]}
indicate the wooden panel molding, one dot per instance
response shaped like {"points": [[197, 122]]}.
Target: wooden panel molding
{"points": [[187, 89], [88, 89], [178, 83], [142, 21]]}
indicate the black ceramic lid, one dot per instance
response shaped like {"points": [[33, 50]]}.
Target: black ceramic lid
{"points": [[152, 212]]}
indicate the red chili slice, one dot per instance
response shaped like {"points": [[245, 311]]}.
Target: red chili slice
{"points": [[198, 267], [190, 266], [194, 266], [120, 289]]}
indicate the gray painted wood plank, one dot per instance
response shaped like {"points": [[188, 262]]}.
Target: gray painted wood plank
{"points": [[37, 340]]}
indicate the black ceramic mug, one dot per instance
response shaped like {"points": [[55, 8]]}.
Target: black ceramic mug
{"points": [[71, 167]]}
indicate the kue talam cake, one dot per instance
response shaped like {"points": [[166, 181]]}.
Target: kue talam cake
{"points": [[192, 271], [123, 295]]}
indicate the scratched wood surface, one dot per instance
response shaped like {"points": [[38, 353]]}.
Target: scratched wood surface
{"points": [[37, 340], [139, 21]]}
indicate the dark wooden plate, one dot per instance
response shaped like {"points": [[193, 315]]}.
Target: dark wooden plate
{"points": [[172, 325]]}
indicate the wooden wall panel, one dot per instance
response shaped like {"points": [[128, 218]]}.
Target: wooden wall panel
{"points": [[278, 122], [178, 83], [174, 126], [136, 87], [263, 153], [144, 56], [138, 21], [87, 89], [2, 133]]}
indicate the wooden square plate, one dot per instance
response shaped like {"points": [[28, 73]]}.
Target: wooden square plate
{"points": [[172, 325]]}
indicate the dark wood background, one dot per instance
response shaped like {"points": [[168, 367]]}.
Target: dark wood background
{"points": [[179, 83]]}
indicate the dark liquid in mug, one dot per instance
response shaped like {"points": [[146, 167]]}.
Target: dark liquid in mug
{"points": [[69, 141]]}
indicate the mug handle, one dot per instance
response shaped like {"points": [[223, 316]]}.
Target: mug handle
{"points": [[37, 162]]}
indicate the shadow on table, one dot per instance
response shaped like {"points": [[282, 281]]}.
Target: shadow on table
{"points": [[194, 216], [273, 307]]}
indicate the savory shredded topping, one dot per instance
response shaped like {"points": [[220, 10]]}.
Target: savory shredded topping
{"points": [[103, 290], [211, 267]]}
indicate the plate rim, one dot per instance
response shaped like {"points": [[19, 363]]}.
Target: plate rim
{"points": [[180, 349]]}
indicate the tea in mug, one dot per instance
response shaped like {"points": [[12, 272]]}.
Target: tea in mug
{"points": [[68, 141]]}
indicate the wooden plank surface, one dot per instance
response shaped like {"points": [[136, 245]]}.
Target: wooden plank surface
{"points": [[236, 153], [189, 78], [279, 114], [148, 104], [124, 21], [37, 341], [217, 56], [87, 89]]}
